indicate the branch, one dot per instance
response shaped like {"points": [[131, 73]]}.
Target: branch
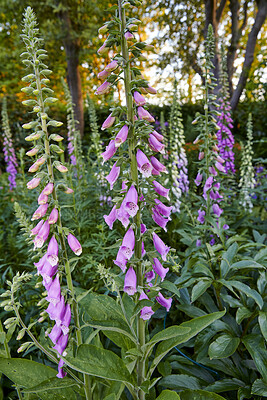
{"points": [[250, 48], [220, 10]]}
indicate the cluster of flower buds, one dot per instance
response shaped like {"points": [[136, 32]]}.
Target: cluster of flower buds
{"points": [[8, 149], [178, 167], [143, 143], [47, 214]]}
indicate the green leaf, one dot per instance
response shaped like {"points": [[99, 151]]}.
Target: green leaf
{"points": [[168, 395], [181, 381], [246, 264], [263, 323], [199, 289], [111, 396], [259, 388], [52, 383], [227, 258], [242, 287], [168, 333], [99, 362], [242, 313], [196, 325], [255, 346], [224, 346], [171, 287], [199, 395], [225, 385], [25, 373]]}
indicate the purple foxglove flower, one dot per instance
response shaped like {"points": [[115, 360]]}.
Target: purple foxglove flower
{"points": [[128, 35], [201, 155], [121, 261], [225, 226], [103, 49], [39, 265], [143, 228], [131, 200], [121, 136], [113, 175], [146, 313], [42, 235], [123, 215], [108, 122], [150, 275], [162, 191], [212, 242], [219, 166], [36, 229], [139, 99], [157, 165], [198, 243], [61, 168], [33, 151], [164, 210], [68, 190], [155, 172], [40, 212], [217, 210], [61, 344], [213, 171], [41, 160], [130, 282], [104, 88], [208, 184], [201, 216], [54, 292], [55, 334], [158, 136], [159, 269], [33, 183], [47, 272], [48, 188], [220, 159], [61, 373], [151, 90], [103, 75], [144, 114], [143, 164], [110, 151], [143, 249], [164, 302], [155, 145], [111, 66], [56, 312], [124, 186], [161, 221], [74, 244], [33, 168], [217, 185], [52, 251], [128, 243], [66, 320], [42, 199], [160, 246], [111, 218], [53, 217]]}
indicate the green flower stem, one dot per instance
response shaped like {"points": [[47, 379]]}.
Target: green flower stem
{"points": [[75, 310], [134, 176], [9, 356]]}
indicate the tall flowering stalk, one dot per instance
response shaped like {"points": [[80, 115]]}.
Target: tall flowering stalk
{"points": [[49, 228], [178, 165], [224, 121], [247, 180], [8, 148], [134, 146], [211, 163]]}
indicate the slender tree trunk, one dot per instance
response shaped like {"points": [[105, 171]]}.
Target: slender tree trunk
{"points": [[72, 48], [249, 54]]}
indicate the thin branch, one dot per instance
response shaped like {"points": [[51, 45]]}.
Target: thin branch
{"points": [[219, 10]]}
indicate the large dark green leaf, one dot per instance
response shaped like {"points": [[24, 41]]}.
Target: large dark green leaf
{"points": [[168, 395], [199, 395], [227, 259], [196, 325], [200, 288], [263, 323], [242, 287], [99, 362], [179, 382], [255, 345], [168, 333], [225, 385], [224, 346], [259, 388]]}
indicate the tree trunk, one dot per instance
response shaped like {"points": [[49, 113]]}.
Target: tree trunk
{"points": [[249, 54], [72, 48]]}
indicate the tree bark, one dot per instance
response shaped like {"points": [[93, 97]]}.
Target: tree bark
{"points": [[72, 48], [249, 53]]}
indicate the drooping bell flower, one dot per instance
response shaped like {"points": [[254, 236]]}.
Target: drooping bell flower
{"points": [[143, 229], [61, 168], [164, 302], [61, 373], [198, 179], [157, 165], [111, 218], [208, 185], [201, 216], [201, 155], [110, 151], [33, 151], [53, 217], [108, 122], [111, 66], [36, 229], [143, 164], [161, 190], [113, 175], [213, 171], [139, 99], [48, 189], [123, 215], [158, 136], [161, 221], [150, 275], [42, 199], [128, 243], [219, 166], [40, 212], [121, 260], [159, 269], [65, 323], [146, 312], [160, 246], [104, 88], [144, 114], [61, 344], [217, 210], [33, 168], [103, 74], [151, 90], [103, 49], [164, 210], [198, 243], [155, 144], [33, 183], [130, 282], [74, 244], [55, 334], [121, 136], [54, 291], [131, 200], [52, 251], [42, 235]]}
